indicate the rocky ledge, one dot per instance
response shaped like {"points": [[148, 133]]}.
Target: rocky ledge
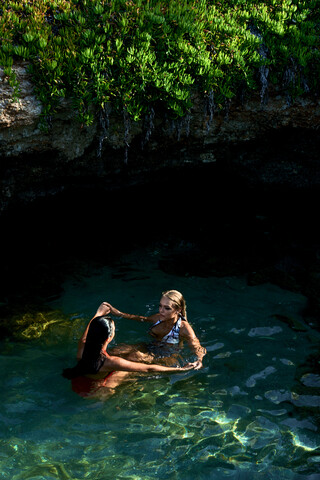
{"points": [[272, 143]]}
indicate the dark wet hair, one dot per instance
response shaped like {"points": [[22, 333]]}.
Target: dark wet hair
{"points": [[92, 359]]}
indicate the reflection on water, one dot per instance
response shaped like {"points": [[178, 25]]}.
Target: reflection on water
{"points": [[251, 412]]}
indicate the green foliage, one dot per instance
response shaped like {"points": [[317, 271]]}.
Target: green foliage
{"points": [[138, 53]]}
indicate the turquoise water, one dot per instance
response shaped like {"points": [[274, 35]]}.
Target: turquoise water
{"points": [[251, 412]]}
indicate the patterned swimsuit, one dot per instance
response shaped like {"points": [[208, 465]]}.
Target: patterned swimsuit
{"points": [[173, 336]]}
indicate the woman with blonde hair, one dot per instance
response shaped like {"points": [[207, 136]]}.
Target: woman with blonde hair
{"points": [[169, 325]]}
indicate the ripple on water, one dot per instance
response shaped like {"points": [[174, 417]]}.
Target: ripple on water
{"points": [[264, 331], [311, 380], [238, 418], [277, 397]]}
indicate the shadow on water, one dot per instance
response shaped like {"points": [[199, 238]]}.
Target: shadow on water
{"points": [[211, 222]]}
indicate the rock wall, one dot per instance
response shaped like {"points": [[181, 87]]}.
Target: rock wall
{"points": [[35, 162], [247, 149]]}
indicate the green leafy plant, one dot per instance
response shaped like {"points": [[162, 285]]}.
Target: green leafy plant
{"points": [[136, 54]]}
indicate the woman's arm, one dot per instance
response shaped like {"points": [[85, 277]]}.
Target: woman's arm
{"points": [[123, 365], [139, 318], [187, 332], [103, 309]]}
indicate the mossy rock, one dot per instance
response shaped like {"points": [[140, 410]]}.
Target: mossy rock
{"points": [[32, 324]]}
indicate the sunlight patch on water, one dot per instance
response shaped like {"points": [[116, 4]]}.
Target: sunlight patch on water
{"points": [[303, 442]]}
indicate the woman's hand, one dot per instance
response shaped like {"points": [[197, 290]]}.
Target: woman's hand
{"points": [[197, 365], [188, 366]]}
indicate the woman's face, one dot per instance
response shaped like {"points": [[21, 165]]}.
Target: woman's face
{"points": [[167, 309]]}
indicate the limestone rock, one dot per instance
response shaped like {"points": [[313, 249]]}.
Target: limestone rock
{"points": [[20, 131]]}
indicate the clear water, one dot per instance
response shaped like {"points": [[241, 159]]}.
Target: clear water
{"points": [[251, 412]]}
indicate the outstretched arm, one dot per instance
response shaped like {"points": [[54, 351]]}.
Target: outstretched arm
{"points": [[123, 365], [139, 318]]}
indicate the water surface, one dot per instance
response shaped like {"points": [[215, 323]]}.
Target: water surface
{"points": [[251, 412]]}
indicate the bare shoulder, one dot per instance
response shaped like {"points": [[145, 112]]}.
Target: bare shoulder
{"points": [[112, 362], [153, 318]]}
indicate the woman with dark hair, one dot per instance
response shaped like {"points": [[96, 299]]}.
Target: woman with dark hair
{"points": [[96, 368]]}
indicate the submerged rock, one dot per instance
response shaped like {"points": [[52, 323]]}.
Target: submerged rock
{"points": [[32, 324]]}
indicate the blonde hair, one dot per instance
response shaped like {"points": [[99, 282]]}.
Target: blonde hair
{"points": [[178, 300]]}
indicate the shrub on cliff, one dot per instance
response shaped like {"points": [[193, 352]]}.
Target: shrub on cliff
{"points": [[135, 54]]}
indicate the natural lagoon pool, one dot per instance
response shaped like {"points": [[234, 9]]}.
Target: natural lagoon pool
{"points": [[251, 412]]}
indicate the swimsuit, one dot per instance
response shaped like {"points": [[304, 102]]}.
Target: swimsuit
{"points": [[173, 336], [85, 386]]}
